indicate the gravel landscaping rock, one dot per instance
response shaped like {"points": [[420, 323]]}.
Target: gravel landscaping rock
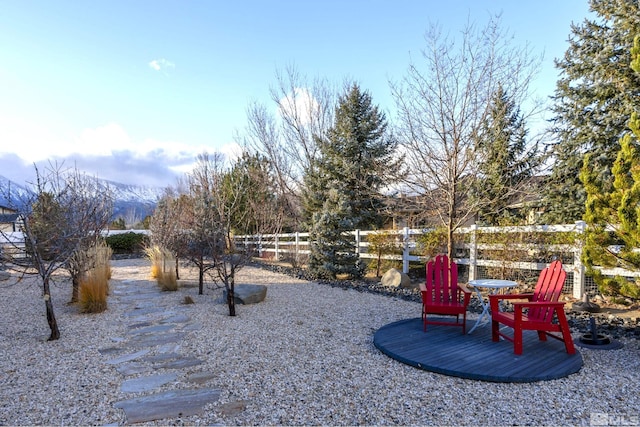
{"points": [[303, 356]]}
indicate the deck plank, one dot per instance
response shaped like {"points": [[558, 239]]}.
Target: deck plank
{"points": [[445, 350]]}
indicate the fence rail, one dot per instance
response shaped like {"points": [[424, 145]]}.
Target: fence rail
{"points": [[293, 246]]}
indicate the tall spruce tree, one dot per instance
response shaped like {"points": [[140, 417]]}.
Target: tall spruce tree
{"points": [[613, 217], [344, 188], [507, 163], [594, 95]]}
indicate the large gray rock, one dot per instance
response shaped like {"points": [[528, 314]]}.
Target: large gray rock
{"points": [[395, 278], [247, 294]]}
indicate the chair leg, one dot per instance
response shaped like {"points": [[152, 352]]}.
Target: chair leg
{"points": [[464, 323], [566, 332], [517, 341], [542, 336], [495, 327]]}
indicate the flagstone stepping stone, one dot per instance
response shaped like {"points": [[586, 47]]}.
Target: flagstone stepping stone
{"points": [[153, 340], [162, 357], [128, 357], [151, 329], [201, 377], [145, 310], [140, 324], [178, 318], [247, 294], [183, 362], [132, 368], [108, 351], [142, 384], [231, 409], [192, 327], [169, 404]]}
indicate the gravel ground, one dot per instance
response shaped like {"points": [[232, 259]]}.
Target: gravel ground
{"points": [[304, 356]]}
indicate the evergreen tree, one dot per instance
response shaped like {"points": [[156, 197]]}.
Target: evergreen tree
{"points": [[506, 162], [332, 248], [343, 188], [613, 217], [594, 95]]}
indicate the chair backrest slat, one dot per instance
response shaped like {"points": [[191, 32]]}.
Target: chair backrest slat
{"points": [[442, 280], [548, 289]]}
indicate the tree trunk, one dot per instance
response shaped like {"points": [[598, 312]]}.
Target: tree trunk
{"points": [[75, 289], [201, 275], [231, 301], [177, 272], [51, 317]]}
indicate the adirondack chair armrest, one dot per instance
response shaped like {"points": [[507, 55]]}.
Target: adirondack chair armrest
{"points": [[519, 306], [532, 304], [466, 294], [494, 299], [464, 288]]}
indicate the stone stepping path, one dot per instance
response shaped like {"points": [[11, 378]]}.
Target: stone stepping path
{"points": [[169, 404], [148, 357]]}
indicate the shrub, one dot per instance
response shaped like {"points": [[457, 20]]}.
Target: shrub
{"points": [[126, 243]]}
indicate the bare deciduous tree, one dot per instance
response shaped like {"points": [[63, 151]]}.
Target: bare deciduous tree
{"points": [[63, 212], [289, 140], [167, 223], [442, 104]]}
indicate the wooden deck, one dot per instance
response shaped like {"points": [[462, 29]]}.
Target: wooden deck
{"points": [[445, 350]]}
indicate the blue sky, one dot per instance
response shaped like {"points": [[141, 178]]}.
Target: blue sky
{"points": [[133, 90]]}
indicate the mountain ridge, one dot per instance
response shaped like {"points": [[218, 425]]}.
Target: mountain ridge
{"points": [[134, 201]]}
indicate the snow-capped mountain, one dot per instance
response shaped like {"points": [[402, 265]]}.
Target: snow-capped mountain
{"points": [[130, 201]]}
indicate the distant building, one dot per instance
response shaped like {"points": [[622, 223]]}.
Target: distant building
{"points": [[9, 220]]}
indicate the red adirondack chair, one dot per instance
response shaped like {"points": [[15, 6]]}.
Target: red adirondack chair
{"points": [[545, 314], [443, 295]]}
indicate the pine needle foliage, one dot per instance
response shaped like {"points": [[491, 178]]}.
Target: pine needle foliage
{"points": [[612, 238], [594, 97]]}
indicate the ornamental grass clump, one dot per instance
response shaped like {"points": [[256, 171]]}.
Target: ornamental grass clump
{"points": [[102, 257], [94, 283], [164, 268], [167, 280], [94, 288], [154, 253]]}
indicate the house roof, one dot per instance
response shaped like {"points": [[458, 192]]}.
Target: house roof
{"points": [[8, 218]]}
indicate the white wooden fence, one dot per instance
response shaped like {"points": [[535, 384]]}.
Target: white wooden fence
{"points": [[293, 246]]}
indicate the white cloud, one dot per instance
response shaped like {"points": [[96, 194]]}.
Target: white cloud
{"points": [[106, 151], [161, 64], [300, 103]]}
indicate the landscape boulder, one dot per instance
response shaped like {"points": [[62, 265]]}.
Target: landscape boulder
{"points": [[394, 278], [247, 294]]}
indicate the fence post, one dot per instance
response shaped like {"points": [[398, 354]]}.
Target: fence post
{"points": [[260, 245], [405, 250], [297, 250], [578, 267], [357, 234], [473, 253], [277, 257]]}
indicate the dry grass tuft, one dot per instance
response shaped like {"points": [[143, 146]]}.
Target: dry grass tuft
{"points": [[155, 255], [168, 281], [163, 267], [93, 291]]}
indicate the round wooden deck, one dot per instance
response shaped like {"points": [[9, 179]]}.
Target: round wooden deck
{"points": [[445, 350]]}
